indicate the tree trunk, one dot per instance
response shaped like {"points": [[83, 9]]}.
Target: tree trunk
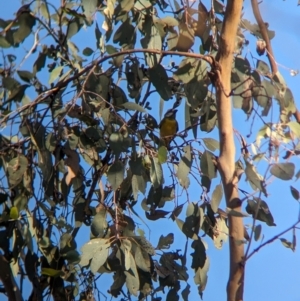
{"points": [[226, 162]]}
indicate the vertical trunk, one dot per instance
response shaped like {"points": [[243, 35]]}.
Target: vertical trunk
{"points": [[226, 163]]}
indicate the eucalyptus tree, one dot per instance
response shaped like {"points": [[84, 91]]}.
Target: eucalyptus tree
{"points": [[84, 85]]}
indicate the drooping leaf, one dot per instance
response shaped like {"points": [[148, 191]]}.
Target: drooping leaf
{"points": [[156, 173], [287, 243], [257, 232], [99, 226], [162, 154], [295, 193], [207, 164], [26, 22], [216, 197], [159, 79], [199, 255], [115, 174], [200, 277], [255, 178], [184, 167]]}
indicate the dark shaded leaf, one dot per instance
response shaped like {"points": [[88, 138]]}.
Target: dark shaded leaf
{"points": [[115, 174], [165, 241], [159, 79], [87, 51], [262, 209], [295, 193], [257, 232]]}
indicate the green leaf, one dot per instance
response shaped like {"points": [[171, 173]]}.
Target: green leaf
{"points": [[287, 243], [159, 78], [14, 213], [73, 27], [156, 173], [196, 92], [207, 164], [25, 75], [295, 128], [162, 154], [87, 51], [126, 5], [16, 168], [283, 171], [132, 106], [222, 230], [99, 226], [50, 272], [295, 193], [216, 198], [152, 40], [55, 74], [184, 167], [26, 22], [115, 174], [111, 49], [211, 144], [89, 7], [39, 63], [262, 67], [96, 250], [4, 43], [200, 277], [125, 35], [255, 179]]}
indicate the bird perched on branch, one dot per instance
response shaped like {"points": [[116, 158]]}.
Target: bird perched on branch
{"points": [[168, 127]]}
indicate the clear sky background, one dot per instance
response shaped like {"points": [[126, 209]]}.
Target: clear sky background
{"points": [[274, 272]]}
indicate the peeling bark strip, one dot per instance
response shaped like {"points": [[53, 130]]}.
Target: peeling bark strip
{"points": [[226, 163]]}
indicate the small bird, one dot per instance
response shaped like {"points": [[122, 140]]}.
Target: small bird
{"points": [[168, 127]]}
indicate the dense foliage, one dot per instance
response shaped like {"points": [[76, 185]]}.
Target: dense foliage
{"points": [[80, 143]]}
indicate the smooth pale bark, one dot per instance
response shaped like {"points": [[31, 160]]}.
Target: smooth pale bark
{"points": [[226, 162]]}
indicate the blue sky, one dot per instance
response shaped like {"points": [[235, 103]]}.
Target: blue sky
{"points": [[273, 273]]}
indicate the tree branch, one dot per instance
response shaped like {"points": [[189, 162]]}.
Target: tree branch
{"points": [[264, 33], [272, 239]]}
